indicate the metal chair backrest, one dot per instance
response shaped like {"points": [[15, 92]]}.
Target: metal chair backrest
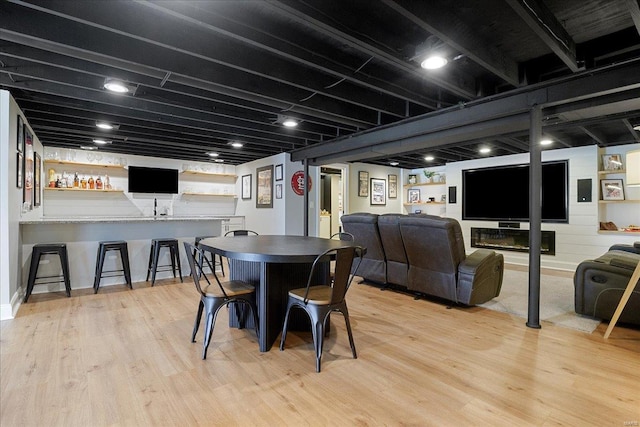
{"points": [[194, 254], [343, 235], [240, 233], [344, 257]]}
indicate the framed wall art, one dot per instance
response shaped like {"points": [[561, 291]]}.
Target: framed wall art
{"points": [[278, 191], [279, 175], [27, 190], [36, 180], [414, 196], [246, 187], [363, 184], [20, 139], [393, 186], [19, 170], [612, 162], [612, 189], [378, 191], [264, 187]]}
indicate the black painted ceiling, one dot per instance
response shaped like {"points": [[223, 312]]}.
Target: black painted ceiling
{"points": [[207, 73]]}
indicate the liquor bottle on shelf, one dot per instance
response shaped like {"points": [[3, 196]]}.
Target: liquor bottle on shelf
{"points": [[91, 183], [83, 182], [107, 182], [76, 181], [98, 183]]}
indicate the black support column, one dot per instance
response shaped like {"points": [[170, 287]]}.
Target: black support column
{"points": [[535, 216]]}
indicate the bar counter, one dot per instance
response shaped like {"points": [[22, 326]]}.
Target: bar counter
{"points": [[82, 234]]}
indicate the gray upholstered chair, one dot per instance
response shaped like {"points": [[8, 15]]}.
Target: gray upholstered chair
{"points": [[318, 301], [397, 263], [439, 266], [216, 295], [599, 284], [364, 227]]}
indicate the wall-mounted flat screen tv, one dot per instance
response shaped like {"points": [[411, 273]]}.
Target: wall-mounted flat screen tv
{"points": [[153, 180], [502, 193]]}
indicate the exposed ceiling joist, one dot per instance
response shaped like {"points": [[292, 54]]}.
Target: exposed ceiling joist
{"points": [[634, 10], [538, 17], [440, 21]]}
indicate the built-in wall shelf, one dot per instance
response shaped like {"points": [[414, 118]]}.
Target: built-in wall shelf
{"points": [[425, 203], [92, 165], [620, 232], [209, 194], [84, 190], [618, 201], [424, 184], [210, 174], [611, 172]]}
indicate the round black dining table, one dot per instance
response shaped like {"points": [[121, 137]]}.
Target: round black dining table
{"points": [[274, 264]]}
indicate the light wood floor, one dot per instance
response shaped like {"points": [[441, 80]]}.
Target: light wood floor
{"points": [[123, 358]]}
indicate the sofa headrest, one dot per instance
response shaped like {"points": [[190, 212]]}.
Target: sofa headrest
{"points": [[362, 217]]}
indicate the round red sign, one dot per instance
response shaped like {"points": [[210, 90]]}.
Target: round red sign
{"points": [[297, 183]]}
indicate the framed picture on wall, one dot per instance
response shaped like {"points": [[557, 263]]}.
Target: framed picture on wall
{"points": [[278, 191], [363, 184], [612, 162], [19, 170], [279, 172], [20, 139], [264, 187], [36, 180], [246, 187], [393, 186], [378, 191], [612, 189], [27, 190], [414, 196]]}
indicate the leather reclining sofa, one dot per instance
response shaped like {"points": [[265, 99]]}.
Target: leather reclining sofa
{"points": [[600, 283], [425, 254]]}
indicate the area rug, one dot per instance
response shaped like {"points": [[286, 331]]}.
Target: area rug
{"points": [[556, 300]]}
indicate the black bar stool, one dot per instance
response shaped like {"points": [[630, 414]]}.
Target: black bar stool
{"points": [[59, 249], [154, 254], [103, 248], [213, 257]]}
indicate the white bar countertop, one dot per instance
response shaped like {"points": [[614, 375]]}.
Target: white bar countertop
{"points": [[98, 219]]}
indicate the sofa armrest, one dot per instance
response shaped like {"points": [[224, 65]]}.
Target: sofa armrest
{"points": [[480, 277], [634, 249]]}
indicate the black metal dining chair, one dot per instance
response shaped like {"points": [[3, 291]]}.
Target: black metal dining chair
{"points": [[216, 295], [240, 233], [343, 235], [318, 301]]}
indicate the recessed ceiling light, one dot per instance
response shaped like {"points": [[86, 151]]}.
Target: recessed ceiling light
{"points": [[236, 144], [429, 158], [88, 147], [212, 154], [290, 123], [218, 160], [104, 125], [434, 62], [394, 163], [116, 86], [546, 141], [637, 127], [485, 150], [101, 141]]}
